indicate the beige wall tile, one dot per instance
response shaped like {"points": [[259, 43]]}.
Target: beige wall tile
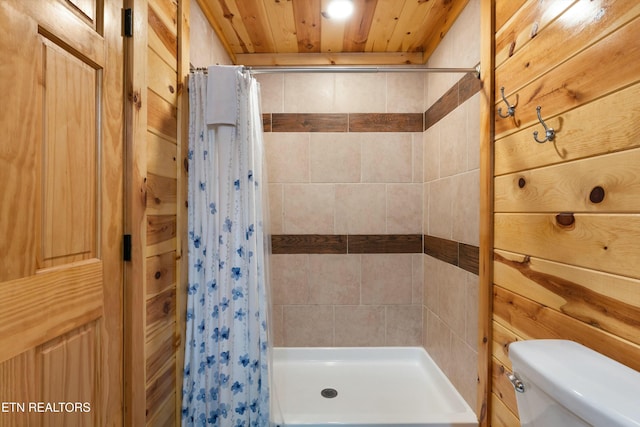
{"points": [[418, 154], [359, 325], [431, 283], [404, 208], [335, 157], [271, 92], [287, 156], [425, 326], [360, 93], [309, 208], [453, 143], [431, 159], [205, 47], [308, 326], [360, 209], [405, 93], [334, 279], [387, 157], [440, 205], [276, 208], [417, 294], [289, 279], [463, 369], [466, 35], [471, 310], [452, 296], [473, 131], [426, 198], [277, 326], [387, 279], [438, 343], [309, 93], [404, 325], [466, 208]]}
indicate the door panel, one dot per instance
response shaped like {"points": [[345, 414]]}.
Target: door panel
{"points": [[71, 93], [61, 213]]}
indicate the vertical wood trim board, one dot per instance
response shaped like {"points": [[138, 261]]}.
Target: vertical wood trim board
{"points": [[136, 214], [485, 264]]}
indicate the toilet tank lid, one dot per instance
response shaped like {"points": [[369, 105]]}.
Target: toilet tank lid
{"points": [[600, 390]]}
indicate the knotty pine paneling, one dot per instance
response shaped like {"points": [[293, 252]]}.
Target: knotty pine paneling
{"points": [[159, 344], [505, 10], [601, 242], [162, 117], [161, 311], [529, 62], [162, 187], [501, 416], [567, 218], [589, 130], [160, 273], [161, 195], [577, 80], [502, 387], [533, 320], [529, 21], [163, 39], [607, 183], [161, 389], [578, 292]]}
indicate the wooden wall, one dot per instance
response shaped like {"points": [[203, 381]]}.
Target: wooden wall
{"points": [[156, 211], [566, 224]]}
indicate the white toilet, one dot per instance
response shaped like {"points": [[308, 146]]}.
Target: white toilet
{"points": [[562, 383]]}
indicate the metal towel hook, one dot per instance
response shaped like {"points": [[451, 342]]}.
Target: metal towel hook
{"points": [[550, 134], [511, 109]]}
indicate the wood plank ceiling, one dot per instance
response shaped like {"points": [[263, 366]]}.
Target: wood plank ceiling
{"points": [[299, 33]]}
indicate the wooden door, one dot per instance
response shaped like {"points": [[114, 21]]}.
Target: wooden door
{"points": [[61, 219]]}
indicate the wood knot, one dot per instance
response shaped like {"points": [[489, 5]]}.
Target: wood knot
{"points": [[522, 182], [597, 194], [158, 275], [565, 219]]}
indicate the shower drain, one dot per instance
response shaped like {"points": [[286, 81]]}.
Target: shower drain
{"points": [[329, 393]]}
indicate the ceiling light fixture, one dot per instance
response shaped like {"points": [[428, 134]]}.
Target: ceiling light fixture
{"points": [[339, 9]]}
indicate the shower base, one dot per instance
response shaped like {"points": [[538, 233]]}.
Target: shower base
{"points": [[364, 386]]}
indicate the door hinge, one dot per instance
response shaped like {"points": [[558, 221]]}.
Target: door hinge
{"points": [[127, 26], [126, 247]]}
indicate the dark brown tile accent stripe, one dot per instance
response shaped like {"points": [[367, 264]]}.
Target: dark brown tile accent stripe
{"points": [[385, 122], [464, 89], [342, 244], [469, 258], [459, 254], [443, 249], [355, 122], [456, 253], [309, 244], [309, 122], [385, 244], [468, 86], [266, 122]]}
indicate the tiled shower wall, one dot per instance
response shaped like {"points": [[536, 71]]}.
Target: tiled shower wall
{"points": [[451, 212], [334, 181], [348, 179]]}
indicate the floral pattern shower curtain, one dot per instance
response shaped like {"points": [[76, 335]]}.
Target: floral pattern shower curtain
{"points": [[226, 357]]}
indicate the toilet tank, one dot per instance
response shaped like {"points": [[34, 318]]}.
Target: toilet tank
{"points": [[567, 384]]}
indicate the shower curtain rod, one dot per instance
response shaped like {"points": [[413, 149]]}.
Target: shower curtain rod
{"points": [[351, 69]]}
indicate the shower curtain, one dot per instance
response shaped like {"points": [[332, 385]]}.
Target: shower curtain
{"points": [[226, 356]]}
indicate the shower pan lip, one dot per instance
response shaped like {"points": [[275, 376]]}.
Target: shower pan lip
{"points": [[377, 387]]}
